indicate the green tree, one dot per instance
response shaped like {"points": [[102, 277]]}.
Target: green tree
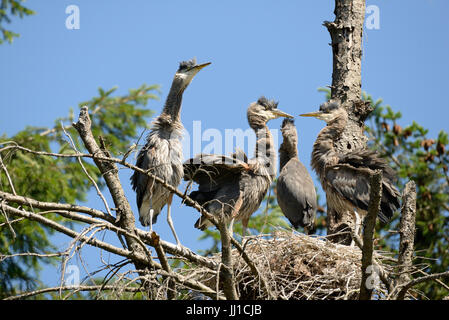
{"points": [[10, 8], [416, 156], [119, 119]]}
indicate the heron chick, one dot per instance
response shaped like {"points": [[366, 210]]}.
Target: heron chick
{"points": [[162, 153], [346, 177], [295, 190], [232, 187]]}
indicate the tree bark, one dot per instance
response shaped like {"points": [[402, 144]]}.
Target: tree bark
{"points": [[227, 269], [368, 234], [109, 171], [407, 235], [346, 34]]}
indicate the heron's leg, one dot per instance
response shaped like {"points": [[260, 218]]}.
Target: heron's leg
{"points": [[151, 220], [231, 227], [170, 221], [357, 226], [245, 227], [358, 223], [151, 215]]}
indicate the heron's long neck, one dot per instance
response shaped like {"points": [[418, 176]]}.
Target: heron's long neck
{"points": [[265, 152], [173, 103], [286, 152], [324, 152]]}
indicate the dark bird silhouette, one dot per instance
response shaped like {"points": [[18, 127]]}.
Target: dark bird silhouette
{"points": [[346, 177], [233, 187], [162, 153], [295, 190]]}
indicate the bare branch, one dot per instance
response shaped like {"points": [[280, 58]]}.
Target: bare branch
{"points": [[69, 232], [32, 254], [133, 256], [368, 232], [74, 288], [2, 165], [7, 220], [227, 273], [383, 275], [65, 209], [171, 292], [109, 171], [407, 286], [102, 157], [407, 233], [54, 206]]}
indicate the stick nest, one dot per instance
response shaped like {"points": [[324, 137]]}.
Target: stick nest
{"points": [[296, 266]]}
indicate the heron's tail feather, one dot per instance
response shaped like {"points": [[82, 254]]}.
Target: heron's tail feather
{"points": [[202, 224]]}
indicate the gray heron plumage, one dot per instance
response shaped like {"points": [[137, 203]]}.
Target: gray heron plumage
{"points": [[295, 190], [233, 187], [162, 153], [344, 176]]}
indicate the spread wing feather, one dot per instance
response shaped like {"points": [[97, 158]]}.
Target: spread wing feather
{"points": [[211, 171]]}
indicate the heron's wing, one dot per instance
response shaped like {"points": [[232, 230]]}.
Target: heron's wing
{"points": [[351, 180], [296, 194], [139, 181], [368, 159], [239, 154], [211, 171]]}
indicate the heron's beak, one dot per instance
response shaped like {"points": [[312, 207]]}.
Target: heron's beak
{"points": [[315, 114], [200, 66], [279, 113]]}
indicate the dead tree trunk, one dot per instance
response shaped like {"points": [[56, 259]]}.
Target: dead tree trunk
{"points": [[407, 235], [346, 35]]}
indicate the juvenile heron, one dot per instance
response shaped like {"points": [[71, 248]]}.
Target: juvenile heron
{"points": [[343, 176], [233, 187], [295, 190], [162, 153]]}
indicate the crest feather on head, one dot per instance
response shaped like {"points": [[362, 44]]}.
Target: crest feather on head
{"points": [[329, 106], [183, 65], [268, 104]]}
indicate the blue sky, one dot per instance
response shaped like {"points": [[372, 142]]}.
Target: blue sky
{"points": [[274, 48]]}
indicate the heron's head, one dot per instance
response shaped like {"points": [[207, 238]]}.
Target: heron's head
{"points": [[264, 110], [187, 70], [329, 111], [289, 133]]}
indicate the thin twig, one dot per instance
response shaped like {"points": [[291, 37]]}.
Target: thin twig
{"points": [[413, 283], [7, 220], [253, 267], [5, 169]]}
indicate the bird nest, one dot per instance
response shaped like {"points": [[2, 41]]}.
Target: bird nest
{"points": [[296, 266]]}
